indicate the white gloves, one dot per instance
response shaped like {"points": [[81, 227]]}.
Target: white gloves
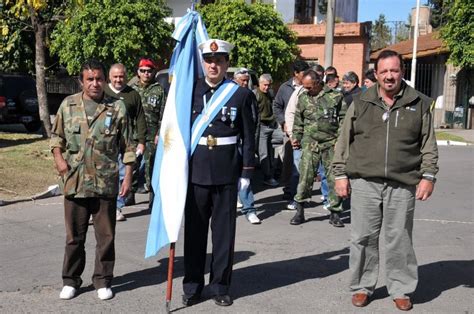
{"points": [[244, 183]]}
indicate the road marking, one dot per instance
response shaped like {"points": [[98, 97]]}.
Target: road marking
{"points": [[447, 221]]}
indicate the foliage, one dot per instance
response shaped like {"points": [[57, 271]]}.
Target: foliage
{"points": [[18, 37], [458, 33], [381, 35], [402, 30], [17, 45], [262, 40], [439, 10], [113, 31]]}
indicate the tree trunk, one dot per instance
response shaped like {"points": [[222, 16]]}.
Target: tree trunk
{"points": [[40, 35]]}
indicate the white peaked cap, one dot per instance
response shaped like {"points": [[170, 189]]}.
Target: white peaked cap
{"points": [[214, 47]]}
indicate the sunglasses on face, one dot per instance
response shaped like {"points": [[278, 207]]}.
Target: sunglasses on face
{"points": [[145, 71]]}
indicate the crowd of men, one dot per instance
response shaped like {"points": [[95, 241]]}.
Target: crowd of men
{"points": [[374, 144]]}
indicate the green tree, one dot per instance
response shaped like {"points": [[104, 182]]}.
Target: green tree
{"points": [[25, 26], [113, 31], [262, 40], [381, 35], [439, 10], [458, 33]]}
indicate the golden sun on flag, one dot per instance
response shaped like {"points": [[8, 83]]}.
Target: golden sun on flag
{"points": [[168, 139]]}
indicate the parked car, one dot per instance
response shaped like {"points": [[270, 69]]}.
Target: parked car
{"points": [[19, 102]]}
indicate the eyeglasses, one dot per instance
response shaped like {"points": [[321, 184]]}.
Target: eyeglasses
{"points": [[146, 71], [242, 71]]}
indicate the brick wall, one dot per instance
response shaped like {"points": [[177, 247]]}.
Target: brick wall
{"points": [[351, 45]]}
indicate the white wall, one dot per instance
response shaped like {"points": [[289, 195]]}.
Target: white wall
{"points": [[286, 9]]}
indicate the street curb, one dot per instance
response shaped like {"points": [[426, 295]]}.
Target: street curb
{"points": [[53, 190], [451, 143]]}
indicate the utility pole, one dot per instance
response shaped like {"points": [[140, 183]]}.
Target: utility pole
{"points": [[329, 39], [415, 45]]}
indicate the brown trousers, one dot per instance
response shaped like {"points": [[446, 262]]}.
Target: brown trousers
{"points": [[77, 212]]}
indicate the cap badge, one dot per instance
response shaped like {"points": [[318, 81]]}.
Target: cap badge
{"points": [[213, 46]]}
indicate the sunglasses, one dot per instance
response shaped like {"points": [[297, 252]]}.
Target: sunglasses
{"points": [[145, 71]]}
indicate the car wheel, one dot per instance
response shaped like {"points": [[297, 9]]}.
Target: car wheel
{"points": [[33, 126]]}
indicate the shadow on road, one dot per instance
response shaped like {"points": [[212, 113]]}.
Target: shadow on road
{"points": [[260, 278], [437, 277], [158, 274]]}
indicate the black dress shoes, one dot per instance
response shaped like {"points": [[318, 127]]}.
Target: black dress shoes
{"points": [[192, 299], [335, 220], [223, 300]]}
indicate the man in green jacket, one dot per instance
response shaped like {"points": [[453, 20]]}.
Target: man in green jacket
{"points": [[153, 102], [319, 113], [118, 88], [89, 132], [385, 158]]}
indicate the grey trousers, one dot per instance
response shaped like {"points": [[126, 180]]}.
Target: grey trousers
{"points": [[393, 203]]}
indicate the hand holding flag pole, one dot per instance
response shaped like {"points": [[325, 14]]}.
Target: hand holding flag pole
{"points": [[170, 173]]}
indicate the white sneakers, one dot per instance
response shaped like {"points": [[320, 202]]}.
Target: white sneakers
{"points": [[67, 293], [253, 219], [119, 216], [239, 204], [105, 293]]}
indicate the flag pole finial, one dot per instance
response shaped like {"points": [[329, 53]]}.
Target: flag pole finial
{"points": [[193, 5]]}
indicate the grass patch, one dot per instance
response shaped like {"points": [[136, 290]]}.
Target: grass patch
{"points": [[26, 165], [445, 136]]}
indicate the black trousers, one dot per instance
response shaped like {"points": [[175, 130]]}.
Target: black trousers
{"points": [[217, 203], [76, 216]]}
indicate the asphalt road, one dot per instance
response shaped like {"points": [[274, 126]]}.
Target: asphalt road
{"points": [[278, 268]]}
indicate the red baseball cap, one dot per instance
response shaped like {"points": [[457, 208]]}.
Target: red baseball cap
{"points": [[145, 62]]}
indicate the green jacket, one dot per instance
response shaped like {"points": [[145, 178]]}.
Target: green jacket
{"points": [[402, 147], [133, 102], [153, 103], [317, 118], [91, 151]]}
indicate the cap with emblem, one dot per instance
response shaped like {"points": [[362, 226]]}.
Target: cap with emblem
{"points": [[214, 47]]}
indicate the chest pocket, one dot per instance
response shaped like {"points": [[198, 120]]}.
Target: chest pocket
{"points": [[108, 132], [73, 137]]}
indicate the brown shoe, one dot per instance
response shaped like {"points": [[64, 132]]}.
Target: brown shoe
{"points": [[360, 299], [403, 304]]}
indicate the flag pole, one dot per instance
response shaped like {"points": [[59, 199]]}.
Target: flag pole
{"points": [[169, 287]]}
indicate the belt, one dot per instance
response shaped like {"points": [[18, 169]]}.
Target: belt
{"points": [[212, 141]]}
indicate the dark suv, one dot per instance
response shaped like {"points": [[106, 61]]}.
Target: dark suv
{"points": [[18, 101]]}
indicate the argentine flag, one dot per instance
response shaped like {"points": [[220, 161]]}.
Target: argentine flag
{"points": [[170, 173]]}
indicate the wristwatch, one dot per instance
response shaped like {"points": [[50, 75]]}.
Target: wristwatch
{"points": [[429, 177]]}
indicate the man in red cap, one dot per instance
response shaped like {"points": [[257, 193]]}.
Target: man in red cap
{"points": [[153, 102]]}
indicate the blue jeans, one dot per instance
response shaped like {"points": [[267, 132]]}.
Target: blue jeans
{"points": [[120, 199], [295, 173], [137, 177], [324, 182], [247, 200]]}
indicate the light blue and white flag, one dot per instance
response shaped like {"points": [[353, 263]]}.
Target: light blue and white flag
{"points": [[170, 173]]}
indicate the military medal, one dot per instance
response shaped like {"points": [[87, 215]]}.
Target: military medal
{"points": [[233, 116], [224, 114], [108, 122]]}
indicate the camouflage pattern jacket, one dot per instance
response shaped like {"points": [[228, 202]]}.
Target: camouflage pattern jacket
{"points": [[317, 118], [91, 150], [153, 103]]}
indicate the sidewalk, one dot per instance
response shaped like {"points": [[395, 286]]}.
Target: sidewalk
{"points": [[467, 135]]}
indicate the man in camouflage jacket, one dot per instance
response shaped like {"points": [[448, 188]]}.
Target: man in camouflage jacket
{"points": [[319, 112], [153, 102], [89, 132]]}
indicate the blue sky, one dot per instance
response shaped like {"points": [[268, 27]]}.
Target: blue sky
{"points": [[394, 10]]}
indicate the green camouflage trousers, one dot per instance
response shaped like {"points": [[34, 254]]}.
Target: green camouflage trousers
{"points": [[149, 157], [308, 167]]}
